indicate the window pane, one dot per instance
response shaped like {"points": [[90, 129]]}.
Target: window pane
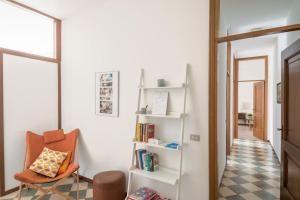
{"points": [[26, 31], [252, 70]]}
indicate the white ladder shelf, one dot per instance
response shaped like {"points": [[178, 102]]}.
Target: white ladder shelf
{"points": [[164, 175]]}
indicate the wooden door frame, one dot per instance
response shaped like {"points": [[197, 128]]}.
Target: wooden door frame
{"points": [[56, 59], [214, 39], [236, 92]]}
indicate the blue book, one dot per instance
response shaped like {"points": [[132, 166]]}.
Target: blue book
{"points": [[172, 145], [141, 152]]}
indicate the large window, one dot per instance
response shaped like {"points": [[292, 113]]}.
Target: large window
{"points": [[26, 31]]}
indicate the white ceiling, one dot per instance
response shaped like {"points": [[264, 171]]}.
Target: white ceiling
{"points": [[242, 15], [239, 15], [255, 43], [236, 13], [59, 8]]}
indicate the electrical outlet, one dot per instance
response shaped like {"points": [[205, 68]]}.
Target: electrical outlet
{"points": [[194, 137]]}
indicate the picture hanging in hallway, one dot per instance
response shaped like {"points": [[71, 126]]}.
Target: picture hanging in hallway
{"points": [[107, 93], [279, 93]]}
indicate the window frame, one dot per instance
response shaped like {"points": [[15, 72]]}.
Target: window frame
{"points": [[57, 36], [55, 59]]}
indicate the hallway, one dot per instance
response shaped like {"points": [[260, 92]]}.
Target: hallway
{"points": [[252, 172], [244, 132]]}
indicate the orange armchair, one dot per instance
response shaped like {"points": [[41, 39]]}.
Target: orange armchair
{"points": [[34, 146]]}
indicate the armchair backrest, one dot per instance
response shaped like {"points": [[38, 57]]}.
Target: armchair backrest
{"points": [[35, 144]]}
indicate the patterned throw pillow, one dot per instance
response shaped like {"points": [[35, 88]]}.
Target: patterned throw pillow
{"points": [[48, 162]]}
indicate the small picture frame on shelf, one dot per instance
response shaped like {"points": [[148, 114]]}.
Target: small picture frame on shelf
{"points": [[160, 103]]}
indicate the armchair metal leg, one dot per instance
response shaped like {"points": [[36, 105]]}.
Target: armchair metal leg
{"points": [[77, 180], [20, 191]]}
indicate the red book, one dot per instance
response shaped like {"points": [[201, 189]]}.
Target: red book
{"points": [[150, 131]]}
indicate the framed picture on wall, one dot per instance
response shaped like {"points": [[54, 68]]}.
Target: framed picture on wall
{"points": [[279, 95], [107, 93]]}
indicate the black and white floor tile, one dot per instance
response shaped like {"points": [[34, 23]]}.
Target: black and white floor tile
{"points": [[252, 172], [68, 187]]}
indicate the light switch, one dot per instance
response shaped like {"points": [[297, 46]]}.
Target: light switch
{"points": [[194, 137]]}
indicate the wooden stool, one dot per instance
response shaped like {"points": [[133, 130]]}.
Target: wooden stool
{"points": [[109, 185]]}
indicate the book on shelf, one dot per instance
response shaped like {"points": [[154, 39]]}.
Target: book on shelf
{"points": [[146, 160], [144, 131]]}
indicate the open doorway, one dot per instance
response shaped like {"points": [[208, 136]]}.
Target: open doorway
{"points": [[251, 97], [248, 136], [252, 163]]}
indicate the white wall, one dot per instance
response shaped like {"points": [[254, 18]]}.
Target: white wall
{"points": [[221, 126], [30, 103], [231, 95], [293, 18], [160, 36], [251, 70], [281, 44], [222, 72], [245, 104]]}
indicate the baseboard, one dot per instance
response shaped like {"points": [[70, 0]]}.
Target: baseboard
{"points": [[223, 174], [274, 152], [85, 179], [11, 190]]}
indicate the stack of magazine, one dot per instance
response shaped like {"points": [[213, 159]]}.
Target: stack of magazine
{"points": [[145, 193]]}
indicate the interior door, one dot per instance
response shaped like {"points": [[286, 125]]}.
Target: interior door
{"points": [[259, 109], [290, 142]]}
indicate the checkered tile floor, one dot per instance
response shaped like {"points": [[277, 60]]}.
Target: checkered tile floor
{"points": [[252, 172], [68, 187]]}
